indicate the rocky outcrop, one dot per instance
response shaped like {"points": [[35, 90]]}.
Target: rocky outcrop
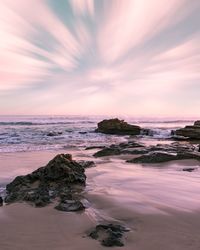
{"points": [[118, 127], [190, 132], [60, 178], [109, 235]]}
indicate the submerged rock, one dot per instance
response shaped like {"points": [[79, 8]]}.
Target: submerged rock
{"points": [[58, 177], [122, 148], [109, 235], [53, 133], [190, 132], [118, 127], [70, 206]]}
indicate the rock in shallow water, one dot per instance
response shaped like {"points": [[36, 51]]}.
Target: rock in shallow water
{"points": [[109, 235], [57, 178], [190, 132], [70, 206], [159, 157], [122, 148], [118, 127]]}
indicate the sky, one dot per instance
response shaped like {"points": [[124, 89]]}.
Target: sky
{"points": [[100, 57]]}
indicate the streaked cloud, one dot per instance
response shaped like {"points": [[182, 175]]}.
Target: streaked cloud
{"points": [[131, 57]]}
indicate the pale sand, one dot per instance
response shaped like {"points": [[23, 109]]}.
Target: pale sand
{"points": [[159, 205], [27, 228]]}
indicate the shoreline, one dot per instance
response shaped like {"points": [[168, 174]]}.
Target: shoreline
{"points": [[153, 226]]}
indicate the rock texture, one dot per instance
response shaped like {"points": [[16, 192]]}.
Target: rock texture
{"points": [[159, 157], [190, 132], [109, 235], [60, 178], [118, 127], [122, 148]]}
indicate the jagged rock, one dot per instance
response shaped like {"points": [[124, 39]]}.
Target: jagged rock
{"points": [[109, 235], [70, 206], [190, 132], [58, 177], [1, 201], [118, 127]]}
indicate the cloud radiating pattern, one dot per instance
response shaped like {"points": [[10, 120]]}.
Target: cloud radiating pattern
{"points": [[131, 57]]}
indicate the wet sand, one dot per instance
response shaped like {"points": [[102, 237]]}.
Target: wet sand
{"points": [[160, 204]]}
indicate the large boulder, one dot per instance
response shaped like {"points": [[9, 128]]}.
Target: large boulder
{"points": [[119, 127], [190, 132], [56, 179]]}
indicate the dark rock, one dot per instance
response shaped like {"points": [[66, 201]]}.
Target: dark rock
{"points": [[107, 152], [190, 132], [122, 148], [58, 177], [53, 133], [70, 206], [197, 123], [159, 157], [87, 164], [189, 169], [109, 235], [1, 201], [118, 127], [94, 147], [82, 132], [153, 157]]}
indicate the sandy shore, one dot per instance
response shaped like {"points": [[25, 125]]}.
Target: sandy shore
{"points": [[24, 227], [160, 205]]}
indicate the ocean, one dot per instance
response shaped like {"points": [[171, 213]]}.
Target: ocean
{"points": [[31, 133]]}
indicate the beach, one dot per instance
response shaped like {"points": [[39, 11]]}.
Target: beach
{"points": [[154, 202], [159, 203]]}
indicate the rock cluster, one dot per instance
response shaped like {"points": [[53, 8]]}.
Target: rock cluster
{"points": [[109, 235], [118, 127], [61, 178], [122, 148], [190, 132]]}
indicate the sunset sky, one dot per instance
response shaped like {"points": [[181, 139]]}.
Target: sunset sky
{"points": [[112, 57]]}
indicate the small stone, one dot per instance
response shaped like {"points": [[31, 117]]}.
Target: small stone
{"points": [[70, 206]]}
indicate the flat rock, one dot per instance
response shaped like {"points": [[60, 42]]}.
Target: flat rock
{"points": [[118, 127], [122, 148], [159, 157]]}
